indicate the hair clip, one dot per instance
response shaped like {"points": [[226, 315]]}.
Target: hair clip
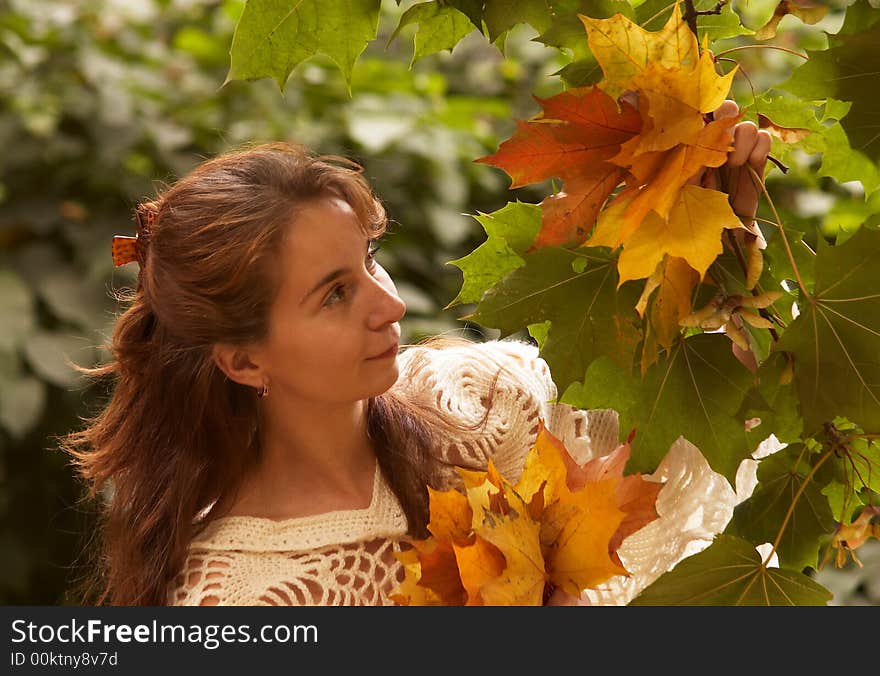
{"points": [[127, 249], [124, 250]]}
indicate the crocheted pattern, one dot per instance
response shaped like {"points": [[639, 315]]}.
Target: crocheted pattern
{"points": [[347, 557]]}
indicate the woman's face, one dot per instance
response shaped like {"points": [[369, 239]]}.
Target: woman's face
{"points": [[337, 309]]}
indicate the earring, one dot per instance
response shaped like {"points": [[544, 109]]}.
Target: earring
{"points": [[264, 392]]}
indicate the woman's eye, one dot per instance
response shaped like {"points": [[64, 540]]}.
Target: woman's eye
{"points": [[339, 291], [371, 256], [335, 294]]}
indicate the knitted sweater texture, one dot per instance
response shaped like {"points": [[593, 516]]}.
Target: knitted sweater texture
{"points": [[347, 557]]}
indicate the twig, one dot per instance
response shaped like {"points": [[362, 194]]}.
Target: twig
{"points": [[759, 182], [782, 167], [781, 49], [691, 13], [690, 16]]}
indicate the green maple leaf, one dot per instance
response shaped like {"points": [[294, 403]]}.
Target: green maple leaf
{"points": [[472, 9], [861, 469], [859, 15], [440, 27], [511, 231], [605, 386], [566, 31], [777, 262], [576, 290], [774, 402], [694, 391], [730, 573], [835, 340], [846, 71], [273, 36], [781, 477], [502, 15]]}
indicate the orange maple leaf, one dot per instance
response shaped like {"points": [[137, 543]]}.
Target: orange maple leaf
{"points": [[503, 544], [572, 139]]}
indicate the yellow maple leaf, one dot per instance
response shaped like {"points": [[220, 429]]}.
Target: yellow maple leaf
{"points": [[659, 216], [517, 536], [450, 515], [483, 491], [657, 177], [692, 232], [543, 469], [624, 49], [674, 282]]}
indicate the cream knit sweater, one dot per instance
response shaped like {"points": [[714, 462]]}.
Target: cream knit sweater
{"points": [[347, 557]]}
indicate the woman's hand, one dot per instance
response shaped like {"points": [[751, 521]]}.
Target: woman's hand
{"points": [[751, 146]]}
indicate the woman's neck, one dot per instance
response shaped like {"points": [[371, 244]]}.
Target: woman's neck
{"points": [[307, 462]]}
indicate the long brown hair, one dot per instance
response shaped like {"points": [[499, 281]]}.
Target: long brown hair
{"points": [[176, 437]]}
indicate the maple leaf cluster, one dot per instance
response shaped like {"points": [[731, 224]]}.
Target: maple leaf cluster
{"points": [[501, 544], [629, 152]]}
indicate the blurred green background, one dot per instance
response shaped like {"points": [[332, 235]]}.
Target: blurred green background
{"points": [[103, 100]]}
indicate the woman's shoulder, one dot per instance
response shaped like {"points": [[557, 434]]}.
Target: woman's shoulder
{"points": [[495, 391], [465, 366]]}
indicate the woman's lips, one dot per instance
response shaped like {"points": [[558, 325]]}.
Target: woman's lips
{"points": [[390, 352]]}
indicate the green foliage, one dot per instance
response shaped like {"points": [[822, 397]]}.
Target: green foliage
{"points": [[695, 390], [834, 341], [846, 72], [510, 232], [577, 292], [275, 36]]}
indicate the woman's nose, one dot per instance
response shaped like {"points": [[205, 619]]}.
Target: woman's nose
{"points": [[388, 306]]}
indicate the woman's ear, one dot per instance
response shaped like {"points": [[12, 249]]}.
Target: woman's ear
{"points": [[239, 364]]}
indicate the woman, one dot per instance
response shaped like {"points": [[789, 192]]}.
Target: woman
{"points": [[265, 443]]}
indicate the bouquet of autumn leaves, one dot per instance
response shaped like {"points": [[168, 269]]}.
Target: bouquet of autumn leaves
{"points": [[640, 155], [560, 526]]}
